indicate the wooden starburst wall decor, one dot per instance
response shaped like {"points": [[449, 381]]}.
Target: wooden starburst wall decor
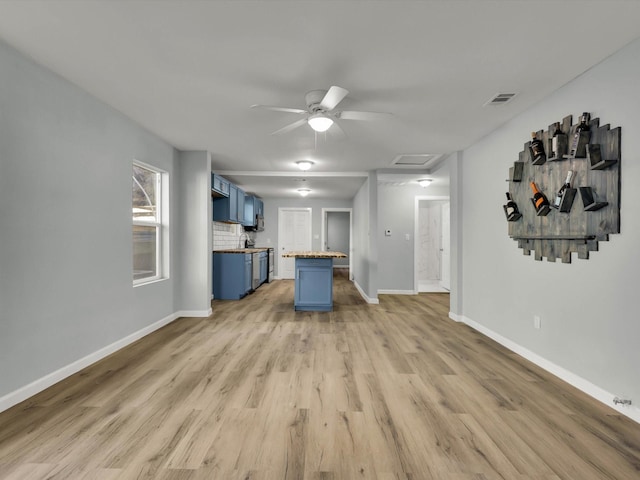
{"points": [[587, 211]]}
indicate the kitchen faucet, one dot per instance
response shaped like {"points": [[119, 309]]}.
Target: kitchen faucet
{"points": [[240, 244]]}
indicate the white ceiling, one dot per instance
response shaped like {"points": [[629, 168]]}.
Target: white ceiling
{"points": [[190, 70]]}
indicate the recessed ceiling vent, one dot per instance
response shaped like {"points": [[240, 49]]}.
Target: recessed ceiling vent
{"points": [[500, 99], [416, 159]]}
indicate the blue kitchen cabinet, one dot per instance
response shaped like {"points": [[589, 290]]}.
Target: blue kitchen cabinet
{"points": [[219, 186], [231, 275], [253, 207], [264, 266], [240, 205], [225, 209], [231, 208], [314, 284], [249, 211]]}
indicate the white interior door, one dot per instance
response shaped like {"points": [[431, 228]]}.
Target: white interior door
{"points": [[294, 234], [431, 245], [445, 274]]}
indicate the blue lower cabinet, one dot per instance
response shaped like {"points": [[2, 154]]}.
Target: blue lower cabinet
{"points": [[314, 284], [231, 275]]}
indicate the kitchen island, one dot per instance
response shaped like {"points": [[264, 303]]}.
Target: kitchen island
{"points": [[314, 280]]}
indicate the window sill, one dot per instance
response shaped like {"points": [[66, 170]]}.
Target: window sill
{"points": [[150, 282]]}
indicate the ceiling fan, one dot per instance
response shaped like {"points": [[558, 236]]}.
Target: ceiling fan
{"points": [[320, 113]]}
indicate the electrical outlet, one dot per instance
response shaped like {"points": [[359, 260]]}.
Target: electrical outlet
{"points": [[536, 322]]}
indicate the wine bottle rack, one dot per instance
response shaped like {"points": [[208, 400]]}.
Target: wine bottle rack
{"points": [[589, 211]]}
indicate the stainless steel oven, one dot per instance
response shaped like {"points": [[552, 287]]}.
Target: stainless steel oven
{"points": [[270, 265]]}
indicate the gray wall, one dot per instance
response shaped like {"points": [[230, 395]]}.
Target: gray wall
{"points": [[361, 238], [65, 224], [454, 162], [589, 308], [365, 241], [269, 237], [396, 211], [193, 220]]}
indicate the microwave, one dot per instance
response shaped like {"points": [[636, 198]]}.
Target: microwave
{"points": [[258, 225]]}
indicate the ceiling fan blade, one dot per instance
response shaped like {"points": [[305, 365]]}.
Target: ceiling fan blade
{"points": [[279, 109], [291, 126], [337, 130], [333, 97], [355, 115]]}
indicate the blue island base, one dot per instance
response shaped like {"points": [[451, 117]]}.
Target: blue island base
{"points": [[314, 284]]}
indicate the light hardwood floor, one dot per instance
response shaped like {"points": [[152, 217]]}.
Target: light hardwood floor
{"points": [[258, 391]]}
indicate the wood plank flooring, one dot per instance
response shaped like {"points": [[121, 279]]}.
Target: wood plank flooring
{"points": [[258, 391]]}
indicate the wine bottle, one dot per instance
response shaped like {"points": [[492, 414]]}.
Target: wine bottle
{"points": [[537, 149], [511, 208], [554, 141], [559, 195], [539, 199], [583, 126]]}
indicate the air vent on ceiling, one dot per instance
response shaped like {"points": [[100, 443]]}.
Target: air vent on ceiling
{"points": [[415, 160], [500, 99]]}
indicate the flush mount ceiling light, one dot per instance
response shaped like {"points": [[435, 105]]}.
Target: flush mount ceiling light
{"points": [[319, 122], [304, 165], [424, 182], [304, 191]]}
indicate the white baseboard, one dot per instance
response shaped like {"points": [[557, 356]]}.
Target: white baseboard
{"points": [[396, 292], [52, 378], [631, 411], [455, 317], [194, 313], [367, 299]]}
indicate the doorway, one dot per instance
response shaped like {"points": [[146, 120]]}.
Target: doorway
{"points": [[336, 235], [294, 234], [432, 245]]}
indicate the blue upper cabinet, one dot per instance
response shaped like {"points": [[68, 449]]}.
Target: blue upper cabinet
{"points": [[225, 209], [253, 207], [232, 204], [240, 194], [219, 186], [231, 207], [249, 211]]}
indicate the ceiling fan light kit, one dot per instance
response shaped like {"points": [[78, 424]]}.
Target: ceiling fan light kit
{"points": [[320, 111], [304, 191], [304, 165], [319, 122], [424, 182]]}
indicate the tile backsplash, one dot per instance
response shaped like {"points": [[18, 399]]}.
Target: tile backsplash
{"points": [[227, 235]]}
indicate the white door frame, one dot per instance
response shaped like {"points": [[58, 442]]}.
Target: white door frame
{"points": [[281, 236], [323, 238], [416, 233]]}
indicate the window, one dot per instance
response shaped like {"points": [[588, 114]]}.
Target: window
{"points": [[148, 200]]}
